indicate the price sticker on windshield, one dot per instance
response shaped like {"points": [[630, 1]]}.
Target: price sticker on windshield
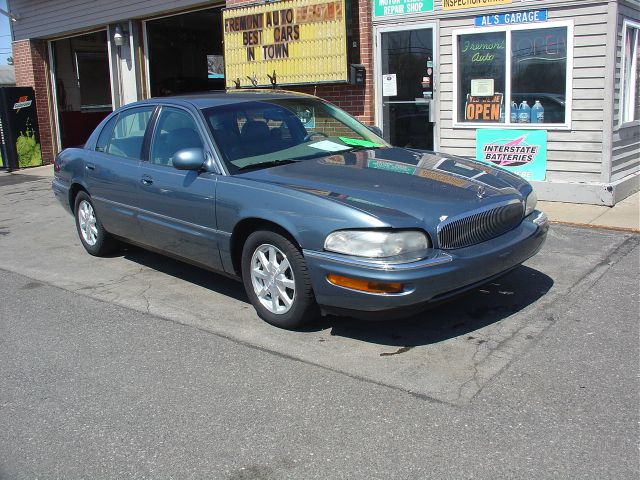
{"points": [[329, 146]]}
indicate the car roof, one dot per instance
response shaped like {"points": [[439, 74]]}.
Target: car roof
{"points": [[216, 98]]}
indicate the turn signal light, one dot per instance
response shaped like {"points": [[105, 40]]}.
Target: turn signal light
{"points": [[365, 285]]}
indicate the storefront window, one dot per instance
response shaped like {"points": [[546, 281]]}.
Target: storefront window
{"points": [[630, 98], [513, 76], [481, 66], [539, 73]]}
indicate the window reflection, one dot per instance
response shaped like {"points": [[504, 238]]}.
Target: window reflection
{"points": [[539, 74]]}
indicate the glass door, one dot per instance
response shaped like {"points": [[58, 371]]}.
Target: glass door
{"points": [[405, 86]]}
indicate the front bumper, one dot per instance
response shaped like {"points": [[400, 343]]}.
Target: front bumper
{"points": [[442, 273]]}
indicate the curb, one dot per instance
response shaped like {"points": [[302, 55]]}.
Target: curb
{"points": [[598, 227]]}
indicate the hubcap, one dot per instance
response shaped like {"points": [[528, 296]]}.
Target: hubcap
{"points": [[87, 223], [272, 279]]}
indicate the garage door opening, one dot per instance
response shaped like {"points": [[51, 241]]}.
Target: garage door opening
{"points": [[82, 85], [185, 53]]}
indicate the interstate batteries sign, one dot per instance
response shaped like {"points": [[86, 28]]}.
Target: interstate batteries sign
{"points": [[302, 41], [523, 152]]}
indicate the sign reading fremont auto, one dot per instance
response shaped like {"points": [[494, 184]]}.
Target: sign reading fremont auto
{"points": [[302, 41]]}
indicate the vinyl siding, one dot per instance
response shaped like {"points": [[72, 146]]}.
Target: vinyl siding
{"points": [[50, 18], [574, 155], [626, 138]]}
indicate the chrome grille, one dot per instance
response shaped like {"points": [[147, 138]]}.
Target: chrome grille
{"points": [[458, 232]]}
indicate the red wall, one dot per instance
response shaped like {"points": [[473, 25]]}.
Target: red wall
{"points": [[29, 60]]}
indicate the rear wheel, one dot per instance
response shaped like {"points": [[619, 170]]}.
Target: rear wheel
{"points": [[276, 279], [93, 236]]}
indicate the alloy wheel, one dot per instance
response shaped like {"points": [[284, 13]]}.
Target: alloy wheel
{"points": [[272, 279], [87, 223]]}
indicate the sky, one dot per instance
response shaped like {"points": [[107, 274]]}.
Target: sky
{"points": [[5, 35]]}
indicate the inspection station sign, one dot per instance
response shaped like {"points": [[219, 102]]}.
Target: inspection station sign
{"points": [[302, 41], [385, 8], [460, 4], [523, 152]]}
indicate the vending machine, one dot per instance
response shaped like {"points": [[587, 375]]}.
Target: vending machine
{"points": [[19, 137]]}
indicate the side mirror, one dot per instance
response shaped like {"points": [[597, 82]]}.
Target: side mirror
{"points": [[375, 129], [189, 159]]}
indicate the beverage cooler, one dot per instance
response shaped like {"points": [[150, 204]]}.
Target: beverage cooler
{"points": [[19, 137]]}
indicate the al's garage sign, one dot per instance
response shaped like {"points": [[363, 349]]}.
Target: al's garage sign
{"points": [[523, 152]]}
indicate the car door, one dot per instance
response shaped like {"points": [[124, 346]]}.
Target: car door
{"points": [[177, 207], [112, 171]]}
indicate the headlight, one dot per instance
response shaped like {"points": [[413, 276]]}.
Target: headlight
{"points": [[376, 244], [532, 199]]}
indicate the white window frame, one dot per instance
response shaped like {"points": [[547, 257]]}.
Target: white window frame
{"points": [[507, 94], [622, 118], [377, 74], [53, 87]]}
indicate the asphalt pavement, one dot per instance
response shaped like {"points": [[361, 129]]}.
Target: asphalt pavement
{"points": [[136, 366]]}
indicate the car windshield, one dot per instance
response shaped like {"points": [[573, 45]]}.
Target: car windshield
{"points": [[260, 134]]}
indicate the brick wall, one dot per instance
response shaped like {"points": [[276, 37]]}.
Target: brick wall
{"points": [[358, 101], [30, 63]]}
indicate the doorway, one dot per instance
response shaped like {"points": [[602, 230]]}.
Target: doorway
{"points": [[82, 85], [184, 53], [405, 85]]}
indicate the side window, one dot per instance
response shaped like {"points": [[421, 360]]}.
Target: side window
{"points": [[175, 130], [128, 134], [105, 135]]}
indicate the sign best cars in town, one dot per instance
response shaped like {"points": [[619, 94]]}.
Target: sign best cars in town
{"points": [[302, 41]]}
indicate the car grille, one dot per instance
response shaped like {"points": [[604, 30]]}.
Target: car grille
{"points": [[458, 232]]}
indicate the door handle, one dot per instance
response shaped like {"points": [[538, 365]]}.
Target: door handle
{"points": [[90, 166], [146, 180]]}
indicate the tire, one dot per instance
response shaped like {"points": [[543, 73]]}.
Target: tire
{"points": [[277, 281], [93, 236]]}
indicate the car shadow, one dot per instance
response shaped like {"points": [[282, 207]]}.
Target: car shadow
{"points": [[458, 316], [184, 271]]}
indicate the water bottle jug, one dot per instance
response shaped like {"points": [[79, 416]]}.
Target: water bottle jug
{"points": [[514, 112], [537, 113], [524, 112]]}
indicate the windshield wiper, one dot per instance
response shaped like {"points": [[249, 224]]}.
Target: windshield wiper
{"points": [[270, 163]]}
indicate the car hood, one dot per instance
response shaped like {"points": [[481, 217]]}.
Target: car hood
{"points": [[398, 182]]}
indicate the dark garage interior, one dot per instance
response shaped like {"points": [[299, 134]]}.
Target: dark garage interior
{"points": [[185, 53]]}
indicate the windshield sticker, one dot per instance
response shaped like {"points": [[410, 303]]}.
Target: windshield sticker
{"points": [[328, 146], [355, 142], [307, 116]]}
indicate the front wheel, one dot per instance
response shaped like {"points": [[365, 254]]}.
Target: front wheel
{"points": [[276, 279]]}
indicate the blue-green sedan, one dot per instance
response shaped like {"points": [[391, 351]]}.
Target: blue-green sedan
{"points": [[311, 209]]}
